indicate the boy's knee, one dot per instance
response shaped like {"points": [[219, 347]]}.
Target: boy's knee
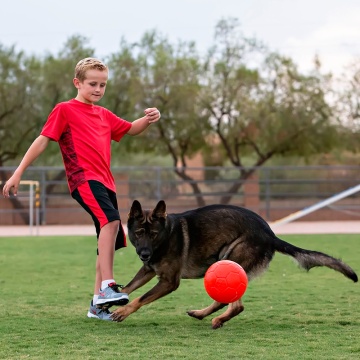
{"points": [[114, 225]]}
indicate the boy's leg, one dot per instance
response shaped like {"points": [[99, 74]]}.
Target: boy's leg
{"points": [[101, 204], [97, 280], [94, 312], [106, 247], [109, 293]]}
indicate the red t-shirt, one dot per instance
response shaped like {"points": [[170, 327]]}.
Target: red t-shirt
{"points": [[84, 133]]}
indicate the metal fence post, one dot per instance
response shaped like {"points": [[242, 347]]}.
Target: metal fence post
{"points": [[43, 196], [267, 192], [158, 183]]}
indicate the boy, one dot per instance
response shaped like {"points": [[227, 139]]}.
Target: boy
{"points": [[84, 132]]}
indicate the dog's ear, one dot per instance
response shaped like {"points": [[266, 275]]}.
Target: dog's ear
{"points": [[135, 210], [160, 210]]}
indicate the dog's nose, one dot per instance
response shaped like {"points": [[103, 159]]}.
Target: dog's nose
{"points": [[144, 254]]}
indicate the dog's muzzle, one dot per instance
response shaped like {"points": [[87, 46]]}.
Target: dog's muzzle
{"points": [[144, 254]]}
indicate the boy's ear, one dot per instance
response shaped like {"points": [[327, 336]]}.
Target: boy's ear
{"points": [[76, 82]]}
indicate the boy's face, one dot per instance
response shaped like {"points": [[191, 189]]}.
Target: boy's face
{"points": [[92, 89]]}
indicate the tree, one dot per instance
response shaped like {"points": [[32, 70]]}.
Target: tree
{"points": [[122, 91], [165, 76], [240, 105], [261, 113], [18, 118], [348, 105]]}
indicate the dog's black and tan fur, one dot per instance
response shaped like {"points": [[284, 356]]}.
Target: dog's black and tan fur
{"points": [[183, 246]]}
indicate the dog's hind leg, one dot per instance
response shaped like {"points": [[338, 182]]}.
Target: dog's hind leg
{"points": [[200, 314], [234, 309]]}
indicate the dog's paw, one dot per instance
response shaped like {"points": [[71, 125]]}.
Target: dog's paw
{"points": [[120, 314], [197, 314], [116, 316], [216, 324]]}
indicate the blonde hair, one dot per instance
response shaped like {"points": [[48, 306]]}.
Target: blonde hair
{"points": [[88, 64]]}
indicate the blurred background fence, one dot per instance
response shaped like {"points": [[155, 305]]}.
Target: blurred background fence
{"points": [[273, 192]]}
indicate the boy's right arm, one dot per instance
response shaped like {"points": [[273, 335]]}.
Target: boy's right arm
{"points": [[36, 148]]}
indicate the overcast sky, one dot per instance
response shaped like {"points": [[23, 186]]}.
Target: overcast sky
{"points": [[298, 28]]}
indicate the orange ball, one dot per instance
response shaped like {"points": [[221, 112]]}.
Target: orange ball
{"points": [[225, 281]]}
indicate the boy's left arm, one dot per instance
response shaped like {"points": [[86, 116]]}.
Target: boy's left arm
{"points": [[138, 126]]}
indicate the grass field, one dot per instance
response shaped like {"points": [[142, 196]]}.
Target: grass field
{"points": [[46, 286]]}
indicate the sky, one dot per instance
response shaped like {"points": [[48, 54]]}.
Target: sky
{"points": [[296, 28]]}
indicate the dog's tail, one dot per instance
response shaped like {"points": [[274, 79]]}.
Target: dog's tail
{"points": [[308, 259]]}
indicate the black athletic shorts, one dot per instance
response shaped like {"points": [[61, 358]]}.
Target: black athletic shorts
{"points": [[101, 204]]}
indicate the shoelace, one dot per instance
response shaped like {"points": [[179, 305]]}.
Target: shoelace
{"points": [[104, 310], [116, 287]]}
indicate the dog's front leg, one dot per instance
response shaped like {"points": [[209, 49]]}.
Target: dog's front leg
{"points": [[162, 288], [143, 276]]}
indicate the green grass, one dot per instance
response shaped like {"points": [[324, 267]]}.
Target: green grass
{"points": [[46, 285]]}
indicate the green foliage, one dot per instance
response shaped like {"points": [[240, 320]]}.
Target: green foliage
{"points": [[240, 101], [58, 72], [47, 282], [348, 106], [240, 104], [18, 117], [29, 89]]}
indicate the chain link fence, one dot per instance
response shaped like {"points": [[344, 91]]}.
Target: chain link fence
{"points": [[273, 192]]}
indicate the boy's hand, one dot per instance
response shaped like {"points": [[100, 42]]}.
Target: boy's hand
{"points": [[152, 114], [13, 182]]}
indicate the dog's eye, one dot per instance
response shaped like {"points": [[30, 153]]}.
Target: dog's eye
{"points": [[153, 233], [139, 232]]}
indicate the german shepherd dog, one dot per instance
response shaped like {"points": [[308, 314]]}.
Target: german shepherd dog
{"points": [[184, 245]]}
